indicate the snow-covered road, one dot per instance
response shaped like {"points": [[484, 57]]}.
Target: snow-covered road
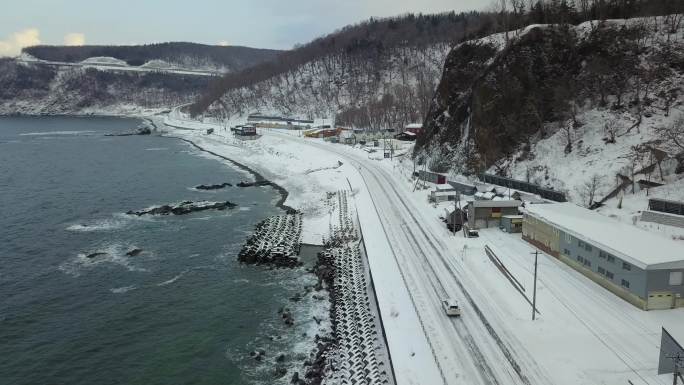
{"points": [[583, 335], [466, 350]]}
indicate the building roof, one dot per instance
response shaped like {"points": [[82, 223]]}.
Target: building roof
{"points": [[504, 203], [414, 125], [445, 187], [644, 249]]}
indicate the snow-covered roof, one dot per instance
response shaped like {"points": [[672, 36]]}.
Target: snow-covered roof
{"points": [[414, 125], [445, 187], [503, 203], [443, 193], [641, 248]]}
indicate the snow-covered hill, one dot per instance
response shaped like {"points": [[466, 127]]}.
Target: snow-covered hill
{"points": [[392, 89], [37, 88], [581, 109]]}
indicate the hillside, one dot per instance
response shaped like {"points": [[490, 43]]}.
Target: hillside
{"points": [[32, 88], [581, 109], [379, 73], [178, 54]]}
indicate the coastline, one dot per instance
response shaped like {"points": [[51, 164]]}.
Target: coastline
{"points": [[257, 176]]}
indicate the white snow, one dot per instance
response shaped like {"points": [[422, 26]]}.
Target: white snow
{"points": [[583, 335], [639, 247]]}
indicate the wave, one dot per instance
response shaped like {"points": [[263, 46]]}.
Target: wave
{"points": [[156, 149], [51, 133], [121, 290], [114, 253], [98, 225]]}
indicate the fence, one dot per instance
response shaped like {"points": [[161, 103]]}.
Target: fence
{"points": [[666, 206]]}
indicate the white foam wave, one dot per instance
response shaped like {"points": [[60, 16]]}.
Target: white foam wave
{"points": [[245, 208], [156, 149], [174, 279], [51, 133], [114, 253], [98, 225], [121, 290]]}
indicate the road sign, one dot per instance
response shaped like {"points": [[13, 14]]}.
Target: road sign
{"points": [[671, 355]]}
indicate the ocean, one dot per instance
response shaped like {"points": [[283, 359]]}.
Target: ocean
{"points": [[183, 311]]}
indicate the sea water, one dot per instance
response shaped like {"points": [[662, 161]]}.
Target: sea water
{"points": [[183, 311]]}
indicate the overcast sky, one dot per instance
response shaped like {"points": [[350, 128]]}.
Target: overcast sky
{"points": [[255, 23]]}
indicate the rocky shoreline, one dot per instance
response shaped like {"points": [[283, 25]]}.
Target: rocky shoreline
{"points": [[259, 179], [183, 208]]}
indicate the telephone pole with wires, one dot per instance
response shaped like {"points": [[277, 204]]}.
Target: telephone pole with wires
{"points": [[534, 291]]}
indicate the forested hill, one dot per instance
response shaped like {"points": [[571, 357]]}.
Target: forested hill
{"points": [[382, 73], [184, 55], [381, 64]]}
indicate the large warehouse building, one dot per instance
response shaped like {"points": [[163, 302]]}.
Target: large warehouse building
{"points": [[640, 267]]}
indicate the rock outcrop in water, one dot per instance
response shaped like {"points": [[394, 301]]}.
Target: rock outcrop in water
{"points": [[255, 183], [276, 242], [183, 208], [213, 186]]}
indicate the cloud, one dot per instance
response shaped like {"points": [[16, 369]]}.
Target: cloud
{"points": [[74, 39], [14, 43]]}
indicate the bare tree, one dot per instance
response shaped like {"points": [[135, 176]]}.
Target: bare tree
{"points": [[589, 189], [611, 128], [673, 134]]}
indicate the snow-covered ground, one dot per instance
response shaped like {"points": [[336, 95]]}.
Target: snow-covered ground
{"points": [[583, 335]]}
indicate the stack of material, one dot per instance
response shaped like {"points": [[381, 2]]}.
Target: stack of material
{"points": [[276, 241]]}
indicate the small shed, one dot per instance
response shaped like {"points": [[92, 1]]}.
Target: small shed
{"points": [[486, 213], [415, 128], [511, 223], [245, 130], [455, 219], [443, 193], [406, 136]]}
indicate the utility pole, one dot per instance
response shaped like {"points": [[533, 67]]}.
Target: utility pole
{"points": [[457, 198], [534, 291], [675, 374]]}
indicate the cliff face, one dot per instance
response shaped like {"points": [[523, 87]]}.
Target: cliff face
{"points": [[498, 98]]}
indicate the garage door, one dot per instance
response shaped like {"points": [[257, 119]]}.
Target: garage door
{"points": [[660, 300]]}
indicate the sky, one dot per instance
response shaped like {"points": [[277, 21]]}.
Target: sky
{"points": [[277, 24]]}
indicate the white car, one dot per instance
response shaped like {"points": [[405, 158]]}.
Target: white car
{"points": [[451, 307]]}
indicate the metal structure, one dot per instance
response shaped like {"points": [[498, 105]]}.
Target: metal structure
{"points": [[665, 206], [671, 358], [524, 186]]}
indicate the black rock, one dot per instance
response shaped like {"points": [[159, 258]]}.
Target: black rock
{"points": [[183, 208], [213, 186], [280, 358], [134, 252], [93, 255]]}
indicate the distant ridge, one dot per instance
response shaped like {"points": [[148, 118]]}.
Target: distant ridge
{"points": [[230, 58]]}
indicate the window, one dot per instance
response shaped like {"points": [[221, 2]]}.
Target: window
{"points": [[610, 258], [579, 258], [588, 247], [568, 238], [625, 283], [587, 263], [601, 270], [581, 244], [676, 278], [602, 255], [609, 275], [567, 252], [626, 266]]}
